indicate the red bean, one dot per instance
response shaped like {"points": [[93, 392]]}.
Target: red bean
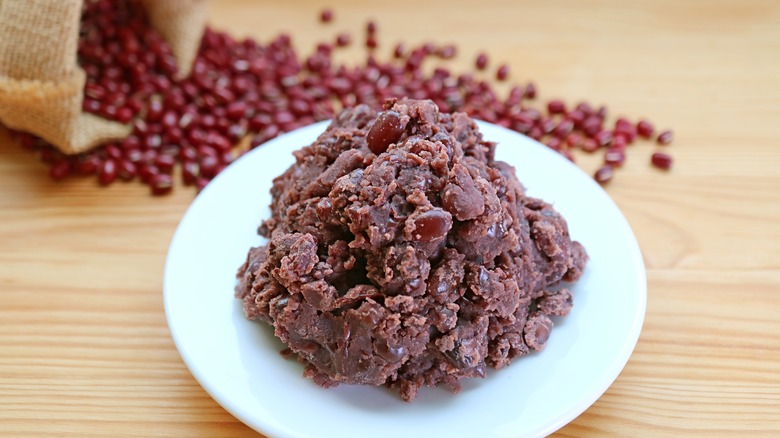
{"points": [[88, 165], [259, 121], [59, 170], [326, 16], [574, 140], [604, 174], [622, 123], [615, 157], [113, 151], [556, 107], [208, 166], [91, 106], [546, 125], [627, 131], [147, 171], [481, 62], [619, 141], [387, 128], [603, 138], [591, 126], [164, 162], [645, 129], [152, 141], [589, 145], [371, 27], [124, 115], [447, 52], [190, 170], [343, 40], [169, 119], [236, 110], [530, 91], [503, 72], [161, 184], [108, 172], [664, 138], [585, 108], [126, 170], [108, 111], [371, 42], [564, 128], [432, 225], [154, 111], [576, 116], [661, 160], [174, 135], [189, 153]]}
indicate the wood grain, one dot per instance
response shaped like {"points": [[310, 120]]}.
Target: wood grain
{"points": [[84, 346]]}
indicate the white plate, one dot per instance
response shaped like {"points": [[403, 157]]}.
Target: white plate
{"points": [[238, 362]]}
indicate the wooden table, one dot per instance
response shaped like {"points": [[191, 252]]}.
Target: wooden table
{"points": [[84, 346]]}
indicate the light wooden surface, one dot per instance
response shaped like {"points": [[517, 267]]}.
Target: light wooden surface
{"points": [[84, 346]]}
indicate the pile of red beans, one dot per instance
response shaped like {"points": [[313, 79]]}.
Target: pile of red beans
{"points": [[242, 91]]}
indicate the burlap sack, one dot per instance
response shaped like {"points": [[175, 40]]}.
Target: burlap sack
{"points": [[41, 85]]}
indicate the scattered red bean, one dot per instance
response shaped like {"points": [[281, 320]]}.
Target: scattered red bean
{"points": [[556, 107], [503, 72], [574, 140], [343, 40], [161, 184], [564, 129], [603, 138], [615, 156], [108, 172], [147, 171], [190, 170], [241, 88], [665, 138], [88, 165], [619, 141], [589, 145], [604, 174], [645, 129], [592, 125], [59, 170], [165, 162], [447, 52], [127, 170], [481, 62], [208, 166], [661, 160], [530, 90], [399, 51]]}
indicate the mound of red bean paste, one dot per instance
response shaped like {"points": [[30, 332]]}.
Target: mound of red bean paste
{"points": [[401, 253]]}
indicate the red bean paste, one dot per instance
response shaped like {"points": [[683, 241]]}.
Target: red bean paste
{"points": [[401, 253]]}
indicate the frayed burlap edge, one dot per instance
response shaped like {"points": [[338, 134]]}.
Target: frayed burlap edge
{"points": [[52, 110]]}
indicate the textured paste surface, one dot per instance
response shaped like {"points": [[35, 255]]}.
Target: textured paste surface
{"points": [[401, 254]]}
